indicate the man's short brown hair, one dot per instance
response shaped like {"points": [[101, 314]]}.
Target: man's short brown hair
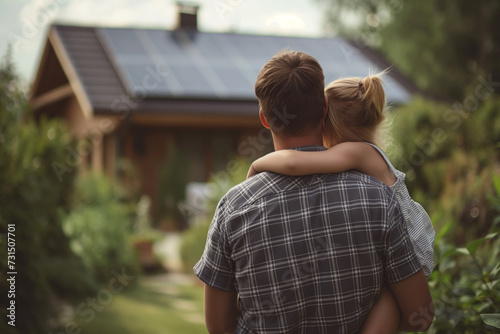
{"points": [[290, 89]]}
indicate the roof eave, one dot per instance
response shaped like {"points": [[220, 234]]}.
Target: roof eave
{"points": [[69, 70], [41, 66]]}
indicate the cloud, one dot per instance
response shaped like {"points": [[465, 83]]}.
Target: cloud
{"points": [[286, 23], [120, 13], [296, 18]]}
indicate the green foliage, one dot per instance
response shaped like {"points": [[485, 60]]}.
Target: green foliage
{"points": [[193, 240], [449, 157], [491, 319], [465, 285], [193, 244], [100, 227], [32, 196]]}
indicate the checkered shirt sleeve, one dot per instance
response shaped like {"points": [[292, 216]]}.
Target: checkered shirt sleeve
{"points": [[215, 267]]}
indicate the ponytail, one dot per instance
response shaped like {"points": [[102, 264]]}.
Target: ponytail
{"points": [[373, 97], [356, 107]]}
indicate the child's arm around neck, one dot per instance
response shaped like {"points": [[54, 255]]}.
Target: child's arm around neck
{"points": [[339, 158]]}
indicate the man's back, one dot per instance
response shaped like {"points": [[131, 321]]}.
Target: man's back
{"points": [[306, 254]]}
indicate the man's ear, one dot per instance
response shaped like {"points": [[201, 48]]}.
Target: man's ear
{"points": [[263, 119], [325, 109]]}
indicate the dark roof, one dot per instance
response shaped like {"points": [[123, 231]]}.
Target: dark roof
{"points": [[160, 70]]}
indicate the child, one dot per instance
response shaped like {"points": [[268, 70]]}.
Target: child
{"points": [[350, 132]]}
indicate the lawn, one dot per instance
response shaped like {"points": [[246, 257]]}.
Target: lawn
{"points": [[153, 306]]}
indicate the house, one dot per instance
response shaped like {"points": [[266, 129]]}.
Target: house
{"points": [[137, 94]]}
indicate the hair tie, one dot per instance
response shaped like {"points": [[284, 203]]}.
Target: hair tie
{"points": [[361, 87]]}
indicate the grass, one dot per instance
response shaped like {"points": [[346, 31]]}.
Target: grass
{"points": [[151, 307]]}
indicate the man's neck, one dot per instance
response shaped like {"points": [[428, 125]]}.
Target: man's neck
{"points": [[289, 142]]}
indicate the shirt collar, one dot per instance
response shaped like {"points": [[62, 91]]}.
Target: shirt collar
{"points": [[309, 148]]}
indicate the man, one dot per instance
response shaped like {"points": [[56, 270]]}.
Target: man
{"points": [[306, 254]]}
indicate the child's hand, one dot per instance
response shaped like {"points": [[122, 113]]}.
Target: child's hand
{"points": [[251, 172]]}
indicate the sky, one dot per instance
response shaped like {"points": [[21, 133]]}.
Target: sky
{"points": [[24, 23]]}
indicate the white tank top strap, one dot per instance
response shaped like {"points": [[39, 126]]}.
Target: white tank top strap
{"points": [[382, 153]]}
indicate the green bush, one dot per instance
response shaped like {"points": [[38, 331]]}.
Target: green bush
{"points": [[32, 195], [100, 227], [449, 156], [193, 244], [465, 282], [465, 286]]}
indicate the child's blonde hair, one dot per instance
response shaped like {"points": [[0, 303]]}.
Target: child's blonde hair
{"points": [[355, 110]]}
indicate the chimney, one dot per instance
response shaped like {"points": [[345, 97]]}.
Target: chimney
{"points": [[188, 16]]}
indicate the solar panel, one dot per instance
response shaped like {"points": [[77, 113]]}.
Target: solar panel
{"points": [[197, 65]]}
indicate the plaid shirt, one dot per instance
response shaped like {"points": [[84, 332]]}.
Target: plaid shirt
{"points": [[306, 254]]}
